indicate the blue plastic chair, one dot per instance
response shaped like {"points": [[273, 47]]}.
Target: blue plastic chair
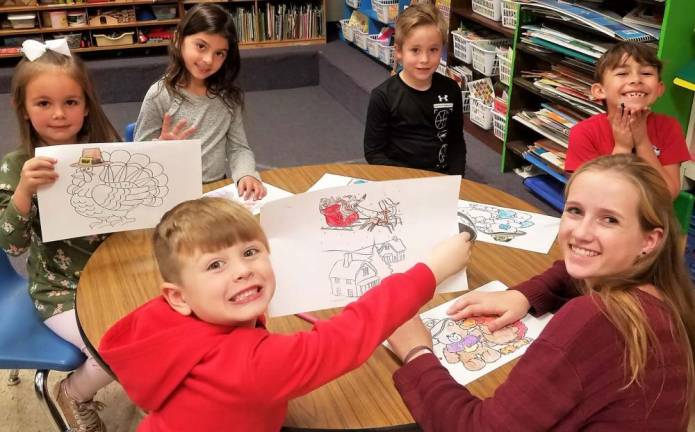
{"points": [[130, 132], [26, 343]]}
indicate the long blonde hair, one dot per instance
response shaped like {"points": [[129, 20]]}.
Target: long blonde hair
{"points": [[96, 126], [663, 267]]}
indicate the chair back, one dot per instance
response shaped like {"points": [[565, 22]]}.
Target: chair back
{"points": [[25, 341], [683, 208], [130, 132]]}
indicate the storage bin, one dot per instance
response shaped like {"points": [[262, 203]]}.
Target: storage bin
{"points": [[164, 12], [485, 57], [441, 69], [499, 124], [459, 45], [466, 101], [386, 53], [373, 44], [386, 10], [77, 18], [73, 39], [103, 40], [505, 66], [508, 14], [360, 38], [22, 21], [491, 9], [355, 4], [480, 113], [55, 19], [348, 33]]}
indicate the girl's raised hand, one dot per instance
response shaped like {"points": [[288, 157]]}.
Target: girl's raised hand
{"points": [[509, 306], [250, 188], [35, 172], [178, 132]]}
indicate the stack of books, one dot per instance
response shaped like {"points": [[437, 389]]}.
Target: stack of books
{"points": [[552, 121], [569, 86], [586, 49]]}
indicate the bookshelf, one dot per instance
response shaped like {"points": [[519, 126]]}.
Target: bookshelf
{"points": [[675, 47], [142, 24]]}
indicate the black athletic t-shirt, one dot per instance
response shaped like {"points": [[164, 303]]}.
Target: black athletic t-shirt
{"points": [[416, 129]]}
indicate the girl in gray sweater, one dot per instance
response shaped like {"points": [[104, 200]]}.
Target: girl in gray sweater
{"points": [[198, 95]]}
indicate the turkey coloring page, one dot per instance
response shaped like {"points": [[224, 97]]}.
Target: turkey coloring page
{"points": [[110, 187], [332, 245]]}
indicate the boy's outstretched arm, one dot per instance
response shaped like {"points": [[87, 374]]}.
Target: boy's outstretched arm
{"points": [[286, 366]]}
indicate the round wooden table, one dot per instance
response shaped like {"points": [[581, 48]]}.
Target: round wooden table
{"points": [[122, 275]]}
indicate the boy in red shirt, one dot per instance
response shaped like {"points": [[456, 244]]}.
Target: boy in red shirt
{"points": [[199, 358], [628, 79]]}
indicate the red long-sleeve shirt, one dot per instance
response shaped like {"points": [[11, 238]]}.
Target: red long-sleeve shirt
{"points": [[569, 379], [195, 376]]}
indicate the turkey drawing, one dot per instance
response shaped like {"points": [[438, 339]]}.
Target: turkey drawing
{"points": [[107, 188]]}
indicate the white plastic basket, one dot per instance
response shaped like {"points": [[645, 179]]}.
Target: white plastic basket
{"points": [[499, 124], [466, 101], [488, 8], [485, 56], [505, 67], [441, 69], [373, 44], [459, 46], [386, 10], [508, 14], [386, 53], [347, 30], [480, 113], [360, 38], [355, 4]]}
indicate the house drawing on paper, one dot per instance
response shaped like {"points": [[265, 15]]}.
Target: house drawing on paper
{"points": [[503, 225], [346, 212], [470, 343], [364, 268], [351, 277], [107, 186]]}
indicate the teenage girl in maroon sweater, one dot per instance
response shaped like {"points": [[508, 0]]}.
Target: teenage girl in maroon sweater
{"points": [[617, 355]]}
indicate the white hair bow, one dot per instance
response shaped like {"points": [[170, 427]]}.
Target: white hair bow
{"points": [[33, 49]]}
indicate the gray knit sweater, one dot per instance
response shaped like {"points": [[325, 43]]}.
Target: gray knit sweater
{"points": [[220, 129]]}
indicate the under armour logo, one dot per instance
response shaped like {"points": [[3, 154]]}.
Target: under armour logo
{"points": [[444, 98]]}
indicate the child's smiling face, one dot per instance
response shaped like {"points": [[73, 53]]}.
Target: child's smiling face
{"points": [[420, 55], [232, 286], [630, 83], [203, 55], [55, 105]]}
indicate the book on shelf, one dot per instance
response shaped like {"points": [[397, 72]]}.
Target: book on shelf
{"points": [[600, 22], [565, 87], [278, 22], [550, 152], [589, 47]]}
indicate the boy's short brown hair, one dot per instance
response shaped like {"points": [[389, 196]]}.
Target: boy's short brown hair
{"points": [[618, 53], [203, 225], [419, 15]]}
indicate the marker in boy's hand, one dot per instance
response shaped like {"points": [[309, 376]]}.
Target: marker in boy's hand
{"points": [[450, 256]]}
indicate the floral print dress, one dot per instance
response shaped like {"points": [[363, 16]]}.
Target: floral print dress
{"points": [[54, 268]]}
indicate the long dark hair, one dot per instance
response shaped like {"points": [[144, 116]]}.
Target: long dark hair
{"points": [[212, 19], [96, 127]]}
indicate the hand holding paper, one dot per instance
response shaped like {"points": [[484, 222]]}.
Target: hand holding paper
{"points": [[37, 171], [508, 306], [450, 256]]}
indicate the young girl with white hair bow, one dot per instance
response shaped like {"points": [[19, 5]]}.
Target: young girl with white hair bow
{"points": [[55, 102]]}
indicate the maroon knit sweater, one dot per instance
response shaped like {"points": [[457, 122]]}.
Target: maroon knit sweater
{"points": [[570, 378]]}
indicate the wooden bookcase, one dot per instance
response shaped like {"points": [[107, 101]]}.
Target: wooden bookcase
{"points": [[133, 11], [675, 47]]}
